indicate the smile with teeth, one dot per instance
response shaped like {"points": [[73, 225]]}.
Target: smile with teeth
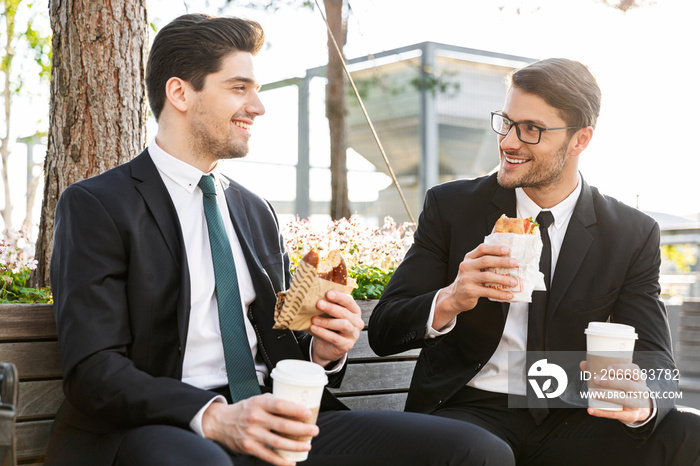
{"points": [[245, 126], [514, 161]]}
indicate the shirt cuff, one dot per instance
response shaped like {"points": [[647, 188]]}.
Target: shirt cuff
{"points": [[335, 369], [430, 332], [638, 424], [196, 422]]}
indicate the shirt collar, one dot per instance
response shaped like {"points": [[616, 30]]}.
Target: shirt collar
{"points": [[562, 212], [182, 173]]}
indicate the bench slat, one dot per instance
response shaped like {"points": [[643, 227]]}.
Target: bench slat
{"points": [[32, 438], [361, 350], [376, 376], [366, 306], [39, 400], [27, 322], [34, 360]]}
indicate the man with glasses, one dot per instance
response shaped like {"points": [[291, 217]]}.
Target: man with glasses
{"points": [[601, 262]]}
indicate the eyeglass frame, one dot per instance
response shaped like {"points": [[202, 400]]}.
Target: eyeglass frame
{"points": [[517, 128]]}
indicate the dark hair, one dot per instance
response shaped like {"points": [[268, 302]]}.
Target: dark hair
{"points": [[192, 47], [564, 84]]}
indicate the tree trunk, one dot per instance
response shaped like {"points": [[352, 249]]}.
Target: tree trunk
{"points": [[98, 100], [335, 112]]}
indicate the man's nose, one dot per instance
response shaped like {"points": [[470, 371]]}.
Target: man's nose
{"points": [[255, 105], [510, 141]]}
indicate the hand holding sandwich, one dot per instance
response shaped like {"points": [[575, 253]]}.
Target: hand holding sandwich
{"points": [[336, 332], [319, 303], [338, 327], [481, 273], [475, 272]]}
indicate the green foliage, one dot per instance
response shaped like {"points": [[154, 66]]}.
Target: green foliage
{"points": [[15, 290], [41, 46], [436, 82], [682, 256], [371, 281], [16, 264], [18, 34]]}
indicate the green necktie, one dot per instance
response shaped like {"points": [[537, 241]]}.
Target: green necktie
{"points": [[240, 368]]}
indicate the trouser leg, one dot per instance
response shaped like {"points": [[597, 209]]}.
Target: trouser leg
{"points": [[158, 445], [384, 438], [579, 439]]}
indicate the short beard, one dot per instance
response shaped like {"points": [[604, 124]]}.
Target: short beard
{"points": [[544, 177], [210, 137], [219, 148]]}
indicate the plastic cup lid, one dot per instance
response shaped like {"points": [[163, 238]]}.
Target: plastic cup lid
{"points": [[608, 329], [299, 372]]}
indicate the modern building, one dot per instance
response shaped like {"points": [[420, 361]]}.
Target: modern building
{"points": [[430, 105]]}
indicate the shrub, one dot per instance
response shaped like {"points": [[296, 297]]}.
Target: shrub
{"points": [[16, 264]]}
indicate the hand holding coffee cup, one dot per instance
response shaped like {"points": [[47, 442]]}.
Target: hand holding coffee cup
{"points": [[301, 382], [616, 388], [606, 344]]}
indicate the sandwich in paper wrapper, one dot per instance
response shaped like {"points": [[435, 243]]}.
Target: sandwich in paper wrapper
{"points": [[312, 280], [523, 238]]}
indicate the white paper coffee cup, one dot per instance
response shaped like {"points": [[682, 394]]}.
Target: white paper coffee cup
{"points": [[301, 382], [607, 343]]}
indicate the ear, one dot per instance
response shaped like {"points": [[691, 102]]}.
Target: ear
{"points": [[580, 140], [176, 93]]}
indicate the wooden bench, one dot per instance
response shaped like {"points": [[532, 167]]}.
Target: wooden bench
{"points": [[373, 382], [28, 340]]}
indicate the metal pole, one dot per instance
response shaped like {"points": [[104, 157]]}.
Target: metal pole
{"points": [[429, 168], [303, 148]]}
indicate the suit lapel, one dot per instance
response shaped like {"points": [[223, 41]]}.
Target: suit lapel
{"points": [[156, 196], [577, 242], [504, 200], [241, 222], [160, 205]]}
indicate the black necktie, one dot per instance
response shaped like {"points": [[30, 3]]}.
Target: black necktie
{"points": [[537, 315], [538, 307], [240, 368]]}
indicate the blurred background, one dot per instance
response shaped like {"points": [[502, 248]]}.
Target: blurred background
{"points": [[430, 73]]}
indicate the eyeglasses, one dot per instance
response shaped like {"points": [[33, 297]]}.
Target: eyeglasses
{"points": [[527, 132]]}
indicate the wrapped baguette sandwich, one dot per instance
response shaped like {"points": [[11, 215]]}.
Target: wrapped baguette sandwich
{"points": [[522, 237], [313, 278]]}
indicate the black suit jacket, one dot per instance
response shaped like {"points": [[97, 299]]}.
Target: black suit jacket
{"points": [[121, 290], [608, 267]]}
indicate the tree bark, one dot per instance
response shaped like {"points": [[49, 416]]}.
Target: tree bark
{"points": [[98, 99], [336, 112]]}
